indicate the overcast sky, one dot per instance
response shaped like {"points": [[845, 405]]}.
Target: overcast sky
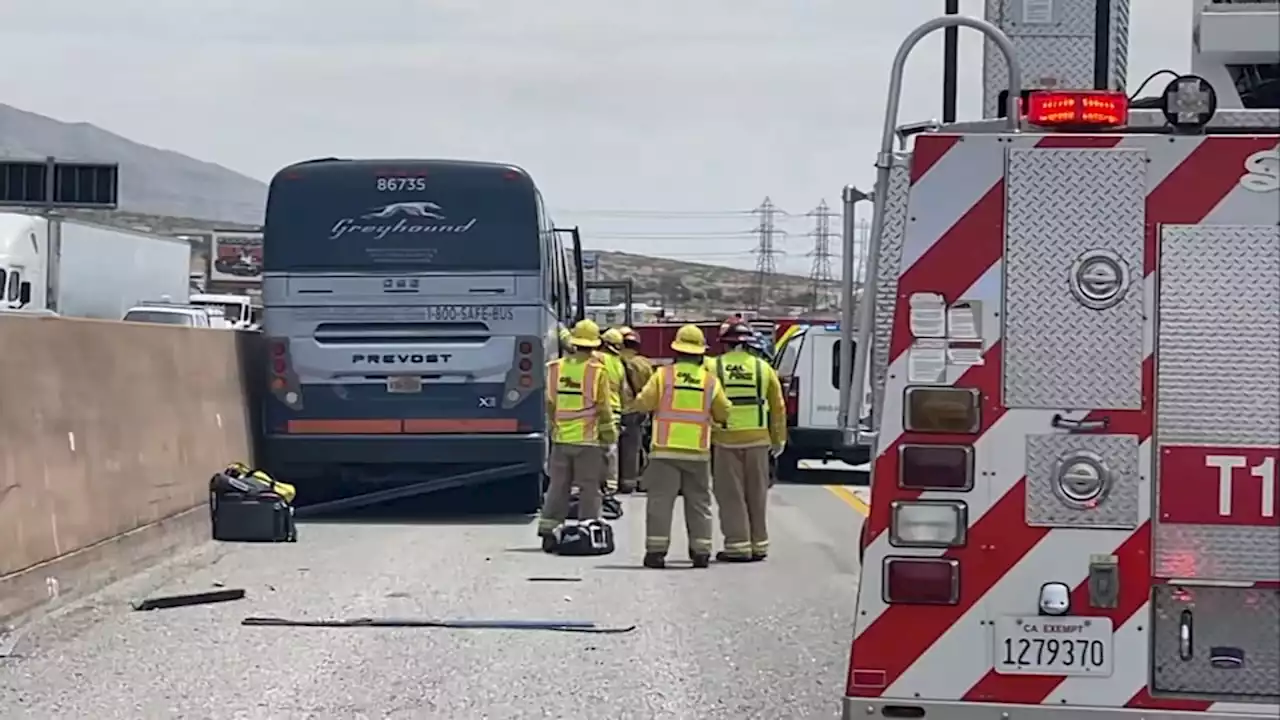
{"points": [[669, 107]]}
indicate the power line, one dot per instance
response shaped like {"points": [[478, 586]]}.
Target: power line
{"points": [[766, 264], [820, 280]]}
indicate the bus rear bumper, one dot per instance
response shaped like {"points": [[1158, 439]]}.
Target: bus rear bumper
{"points": [[300, 452], [862, 708]]}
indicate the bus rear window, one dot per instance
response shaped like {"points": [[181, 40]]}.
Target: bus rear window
{"points": [[340, 217]]}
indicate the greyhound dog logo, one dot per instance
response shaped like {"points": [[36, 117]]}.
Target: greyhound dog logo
{"points": [[423, 209]]}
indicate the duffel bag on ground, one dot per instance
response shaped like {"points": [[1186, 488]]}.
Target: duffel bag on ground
{"points": [[592, 537], [246, 509]]}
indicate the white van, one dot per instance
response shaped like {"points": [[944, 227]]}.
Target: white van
{"points": [[171, 314], [808, 364]]}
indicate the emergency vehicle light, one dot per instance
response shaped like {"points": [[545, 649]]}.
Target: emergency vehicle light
{"points": [[935, 467], [928, 523], [1077, 108], [942, 410], [921, 581]]}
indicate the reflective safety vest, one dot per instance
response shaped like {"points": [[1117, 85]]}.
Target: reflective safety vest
{"points": [[574, 383], [617, 377], [683, 418], [742, 376]]}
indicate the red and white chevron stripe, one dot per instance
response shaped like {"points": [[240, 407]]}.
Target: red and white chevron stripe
{"points": [[953, 246]]}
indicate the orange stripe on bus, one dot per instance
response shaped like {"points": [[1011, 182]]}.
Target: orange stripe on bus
{"points": [[345, 427], [460, 425]]}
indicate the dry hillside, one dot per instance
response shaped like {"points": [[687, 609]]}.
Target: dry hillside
{"points": [[686, 285]]}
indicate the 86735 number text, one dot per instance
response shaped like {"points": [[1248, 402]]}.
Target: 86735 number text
{"points": [[400, 184]]}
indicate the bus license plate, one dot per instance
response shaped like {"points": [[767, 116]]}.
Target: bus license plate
{"points": [[469, 313], [404, 384], [1040, 645]]}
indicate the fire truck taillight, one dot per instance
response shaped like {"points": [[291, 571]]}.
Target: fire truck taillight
{"points": [[935, 467], [942, 410], [928, 523], [1077, 108], [921, 581]]}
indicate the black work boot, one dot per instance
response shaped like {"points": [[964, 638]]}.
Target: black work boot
{"points": [[700, 560], [655, 560], [725, 556], [759, 557], [548, 543], [626, 488]]}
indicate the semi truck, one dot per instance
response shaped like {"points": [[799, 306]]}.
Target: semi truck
{"points": [[93, 271]]}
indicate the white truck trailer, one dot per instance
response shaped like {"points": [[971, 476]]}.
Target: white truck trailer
{"points": [[100, 271]]}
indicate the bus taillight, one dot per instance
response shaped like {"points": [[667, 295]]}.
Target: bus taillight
{"points": [[284, 385], [522, 379]]}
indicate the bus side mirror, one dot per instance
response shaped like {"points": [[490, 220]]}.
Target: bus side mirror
{"points": [[24, 294]]}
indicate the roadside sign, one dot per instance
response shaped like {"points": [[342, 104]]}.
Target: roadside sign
{"points": [[235, 257], [53, 183], [590, 260]]}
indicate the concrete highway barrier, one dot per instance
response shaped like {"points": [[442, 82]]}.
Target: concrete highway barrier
{"points": [[109, 432]]}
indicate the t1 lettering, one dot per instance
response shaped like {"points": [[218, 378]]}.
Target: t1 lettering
{"points": [[1264, 471]]}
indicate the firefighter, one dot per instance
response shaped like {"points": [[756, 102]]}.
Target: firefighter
{"points": [[686, 400], [610, 357], [755, 432], [582, 430], [631, 435]]}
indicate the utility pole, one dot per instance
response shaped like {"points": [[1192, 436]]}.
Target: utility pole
{"points": [[820, 280], [766, 265]]}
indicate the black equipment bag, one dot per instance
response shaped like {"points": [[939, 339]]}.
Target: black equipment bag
{"points": [[245, 509], [592, 537]]}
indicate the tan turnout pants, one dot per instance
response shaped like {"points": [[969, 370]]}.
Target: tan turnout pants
{"points": [[664, 479], [742, 493], [580, 466]]}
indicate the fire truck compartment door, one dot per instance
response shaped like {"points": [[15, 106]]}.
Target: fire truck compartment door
{"points": [[1216, 634], [1073, 278], [1218, 404]]}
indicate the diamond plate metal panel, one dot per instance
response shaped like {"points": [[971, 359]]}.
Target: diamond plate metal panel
{"points": [[1116, 506], [1192, 625], [1064, 207], [1218, 336], [1218, 380], [1058, 54], [894, 233]]}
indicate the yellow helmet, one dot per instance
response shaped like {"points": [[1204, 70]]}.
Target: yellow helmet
{"points": [[690, 340], [626, 330], [586, 334], [612, 337]]}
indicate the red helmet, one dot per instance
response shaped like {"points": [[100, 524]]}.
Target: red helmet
{"points": [[735, 331]]}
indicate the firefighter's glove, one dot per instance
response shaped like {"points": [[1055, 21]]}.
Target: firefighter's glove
{"points": [[776, 450]]}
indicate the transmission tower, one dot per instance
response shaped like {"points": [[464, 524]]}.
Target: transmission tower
{"points": [[821, 284], [765, 252]]}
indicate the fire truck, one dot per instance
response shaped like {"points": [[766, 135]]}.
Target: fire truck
{"points": [[656, 337], [1076, 335]]}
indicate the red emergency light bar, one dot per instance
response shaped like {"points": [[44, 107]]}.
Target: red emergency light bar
{"points": [[1076, 108]]}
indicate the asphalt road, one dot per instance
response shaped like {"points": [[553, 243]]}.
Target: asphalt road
{"points": [[767, 640]]}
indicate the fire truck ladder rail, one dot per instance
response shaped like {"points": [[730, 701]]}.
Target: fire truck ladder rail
{"points": [[884, 162]]}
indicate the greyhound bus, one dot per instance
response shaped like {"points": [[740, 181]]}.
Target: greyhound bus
{"points": [[409, 307]]}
